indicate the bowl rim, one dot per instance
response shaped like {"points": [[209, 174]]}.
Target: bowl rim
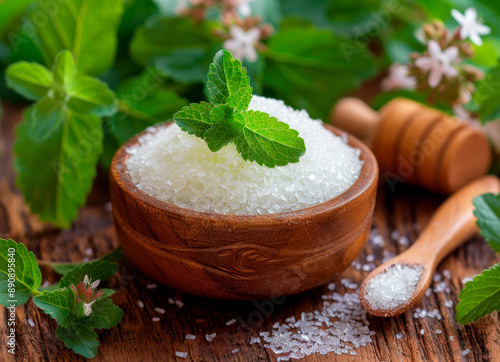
{"points": [[368, 176]]}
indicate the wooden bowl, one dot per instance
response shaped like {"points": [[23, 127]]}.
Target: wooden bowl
{"points": [[243, 257]]}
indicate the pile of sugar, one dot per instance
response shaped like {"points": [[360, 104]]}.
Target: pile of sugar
{"points": [[178, 168], [340, 327], [393, 287]]}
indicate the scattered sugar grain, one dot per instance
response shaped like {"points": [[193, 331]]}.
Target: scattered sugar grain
{"points": [[140, 304], [452, 338], [190, 336], [30, 322], [403, 241], [448, 304], [331, 286], [447, 274], [229, 322], [171, 301], [181, 354], [89, 252], [438, 331], [465, 352], [422, 331], [210, 337], [254, 340], [159, 310], [393, 287], [235, 350], [395, 235], [175, 167], [370, 258], [179, 303], [399, 335], [155, 319], [46, 283], [152, 286]]}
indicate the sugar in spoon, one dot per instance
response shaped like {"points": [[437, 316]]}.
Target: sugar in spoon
{"points": [[395, 286]]}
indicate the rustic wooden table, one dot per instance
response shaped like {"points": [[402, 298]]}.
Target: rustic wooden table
{"points": [[138, 338]]}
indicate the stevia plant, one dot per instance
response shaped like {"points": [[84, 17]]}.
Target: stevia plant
{"points": [[258, 137], [75, 303]]}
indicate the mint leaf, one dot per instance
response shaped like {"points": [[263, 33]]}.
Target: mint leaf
{"points": [[195, 119], [63, 268], [101, 270], [20, 264], [488, 218], [79, 337], [104, 314], [184, 57], [31, 80], [58, 304], [54, 173], [85, 27], [267, 141], [486, 100], [224, 129], [480, 296], [228, 82]]}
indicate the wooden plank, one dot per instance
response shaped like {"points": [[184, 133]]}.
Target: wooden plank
{"points": [[406, 210]]}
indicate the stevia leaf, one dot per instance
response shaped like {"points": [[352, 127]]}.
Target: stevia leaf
{"points": [[27, 273], [56, 153], [58, 303], [112, 257], [85, 27], [101, 270], [195, 118], [79, 337], [104, 314], [480, 297], [267, 141], [228, 82], [223, 131], [488, 218], [486, 100], [31, 80]]}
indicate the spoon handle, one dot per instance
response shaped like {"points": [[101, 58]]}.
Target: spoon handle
{"points": [[453, 222]]}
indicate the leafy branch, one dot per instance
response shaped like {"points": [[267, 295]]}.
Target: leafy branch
{"points": [[258, 137], [76, 305]]}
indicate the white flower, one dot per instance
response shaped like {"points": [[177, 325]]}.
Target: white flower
{"points": [[242, 43], [398, 78], [470, 27], [86, 280], [88, 308], [244, 8], [438, 63]]}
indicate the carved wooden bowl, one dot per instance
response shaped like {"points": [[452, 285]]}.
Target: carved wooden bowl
{"points": [[243, 257]]}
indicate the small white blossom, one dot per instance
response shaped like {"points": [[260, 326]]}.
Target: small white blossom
{"points": [[88, 308], [398, 78], [244, 8], [438, 63], [470, 26], [86, 280], [242, 43]]}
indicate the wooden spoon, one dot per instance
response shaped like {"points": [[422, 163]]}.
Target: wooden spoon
{"points": [[452, 224]]}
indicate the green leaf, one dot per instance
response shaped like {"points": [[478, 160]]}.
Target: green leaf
{"points": [[480, 296], [31, 80], [488, 218], [79, 337], [195, 119], [267, 141], [180, 47], [19, 264], [58, 304], [310, 68], [486, 100], [63, 268], [101, 270], [227, 125], [86, 27], [104, 314], [56, 153], [228, 82], [144, 101]]}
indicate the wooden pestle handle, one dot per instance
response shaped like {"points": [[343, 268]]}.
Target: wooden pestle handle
{"points": [[452, 224], [355, 117]]}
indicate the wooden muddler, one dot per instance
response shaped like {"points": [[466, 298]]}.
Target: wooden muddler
{"points": [[417, 144]]}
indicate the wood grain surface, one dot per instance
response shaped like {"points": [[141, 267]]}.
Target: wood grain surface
{"points": [[137, 338]]}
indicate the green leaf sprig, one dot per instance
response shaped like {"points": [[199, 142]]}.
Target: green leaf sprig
{"points": [[258, 136], [75, 304], [481, 296]]}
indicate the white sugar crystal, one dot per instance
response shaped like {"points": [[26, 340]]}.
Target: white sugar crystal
{"points": [[152, 286], [190, 336], [403, 240], [254, 340], [438, 331], [178, 168], [399, 335], [179, 303], [447, 274], [395, 235], [210, 337], [30, 322], [452, 338], [160, 310], [331, 286], [235, 350], [370, 258], [155, 319], [181, 354], [232, 321], [422, 331], [393, 287], [448, 304], [140, 303], [171, 301], [465, 352]]}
